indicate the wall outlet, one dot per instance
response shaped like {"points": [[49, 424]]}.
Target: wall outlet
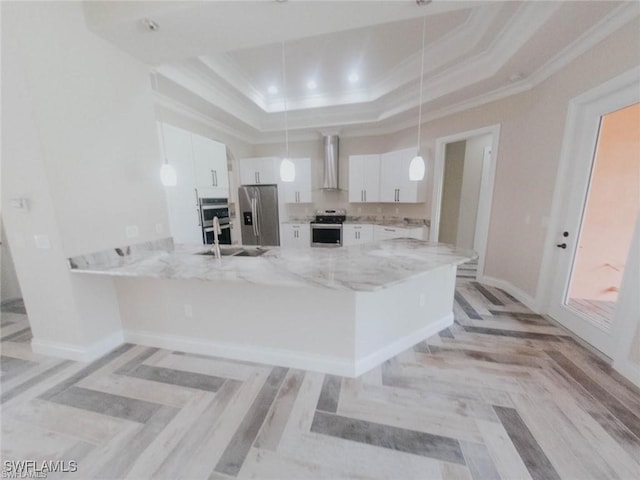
{"points": [[131, 231], [42, 241], [159, 228], [188, 310]]}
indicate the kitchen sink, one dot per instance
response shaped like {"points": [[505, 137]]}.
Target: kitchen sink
{"points": [[251, 253], [238, 252]]}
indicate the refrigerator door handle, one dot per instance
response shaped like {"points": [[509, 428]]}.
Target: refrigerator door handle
{"points": [[253, 216]]}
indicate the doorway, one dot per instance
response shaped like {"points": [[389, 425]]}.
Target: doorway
{"points": [[594, 213], [463, 189], [608, 219]]}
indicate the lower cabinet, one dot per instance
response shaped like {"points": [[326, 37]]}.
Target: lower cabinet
{"points": [[295, 235], [381, 232], [356, 234]]}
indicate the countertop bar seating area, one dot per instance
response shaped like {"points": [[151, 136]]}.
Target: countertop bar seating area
{"points": [[338, 310]]}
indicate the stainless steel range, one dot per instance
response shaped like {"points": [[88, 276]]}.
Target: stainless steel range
{"points": [[326, 230]]}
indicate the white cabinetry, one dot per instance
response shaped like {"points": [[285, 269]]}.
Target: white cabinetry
{"points": [[395, 186], [295, 235], [210, 166], [364, 178], [299, 191], [356, 234], [260, 170], [194, 158], [382, 232]]}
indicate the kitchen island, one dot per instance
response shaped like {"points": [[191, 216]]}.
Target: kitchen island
{"points": [[337, 310]]}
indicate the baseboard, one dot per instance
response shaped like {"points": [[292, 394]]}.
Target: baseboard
{"points": [[376, 358], [629, 370], [78, 353], [524, 298], [272, 356]]}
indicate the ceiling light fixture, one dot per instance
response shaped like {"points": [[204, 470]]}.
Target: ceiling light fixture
{"points": [[354, 77], [150, 25], [312, 85], [272, 89], [168, 175], [417, 166], [287, 167]]}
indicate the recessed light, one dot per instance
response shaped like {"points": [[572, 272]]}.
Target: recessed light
{"points": [[272, 89], [353, 77], [312, 85]]}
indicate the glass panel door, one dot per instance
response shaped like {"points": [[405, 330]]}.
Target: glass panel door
{"points": [[608, 219]]}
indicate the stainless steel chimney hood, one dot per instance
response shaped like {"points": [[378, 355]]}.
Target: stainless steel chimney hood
{"points": [[330, 181]]}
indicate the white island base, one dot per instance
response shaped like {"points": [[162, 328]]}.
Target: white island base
{"points": [[338, 331]]}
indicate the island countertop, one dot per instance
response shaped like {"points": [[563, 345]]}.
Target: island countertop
{"points": [[366, 267]]}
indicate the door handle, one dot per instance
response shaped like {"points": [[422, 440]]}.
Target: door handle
{"points": [[255, 176], [562, 245], [213, 179], [365, 195], [362, 195]]}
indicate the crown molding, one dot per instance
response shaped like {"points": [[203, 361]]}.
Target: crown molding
{"points": [[179, 108], [374, 118], [589, 39]]}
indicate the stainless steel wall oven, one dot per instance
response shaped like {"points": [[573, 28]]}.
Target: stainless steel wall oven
{"points": [[215, 207]]}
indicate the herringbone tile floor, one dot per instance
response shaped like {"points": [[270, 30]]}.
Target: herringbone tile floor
{"points": [[503, 393]]}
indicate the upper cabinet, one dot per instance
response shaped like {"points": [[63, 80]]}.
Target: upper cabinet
{"points": [[210, 166], [299, 191], [256, 171], [200, 162], [364, 178], [384, 178], [395, 186], [194, 158]]}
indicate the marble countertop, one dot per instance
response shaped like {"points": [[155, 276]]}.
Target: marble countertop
{"points": [[366, 267], [371, 220]]}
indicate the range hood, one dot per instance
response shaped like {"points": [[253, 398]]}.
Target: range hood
{"points": [[330, 181]]}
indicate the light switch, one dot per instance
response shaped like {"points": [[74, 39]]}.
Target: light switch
{"points": [[19, 204], [42, 241]]}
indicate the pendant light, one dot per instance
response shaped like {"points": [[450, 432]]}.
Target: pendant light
{"points": [[168, 175], [287, 167], [417, 167]]}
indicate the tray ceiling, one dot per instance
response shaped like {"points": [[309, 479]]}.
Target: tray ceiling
{"points": [[222, 61]]}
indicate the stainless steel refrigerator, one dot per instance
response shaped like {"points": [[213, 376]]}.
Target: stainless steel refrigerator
{"points": [[259, 215]]}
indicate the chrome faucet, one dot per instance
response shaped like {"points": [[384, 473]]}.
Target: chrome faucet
{"points": [[215, 249]]}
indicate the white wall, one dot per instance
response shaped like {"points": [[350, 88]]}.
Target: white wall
{"points": [[626, 324], [470, 193], [79, 142], [95, 126], [9, 286]]}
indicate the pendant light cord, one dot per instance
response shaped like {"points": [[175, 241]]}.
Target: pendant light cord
{"points": [[284, 93], [164, 148], [424, 30]]}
